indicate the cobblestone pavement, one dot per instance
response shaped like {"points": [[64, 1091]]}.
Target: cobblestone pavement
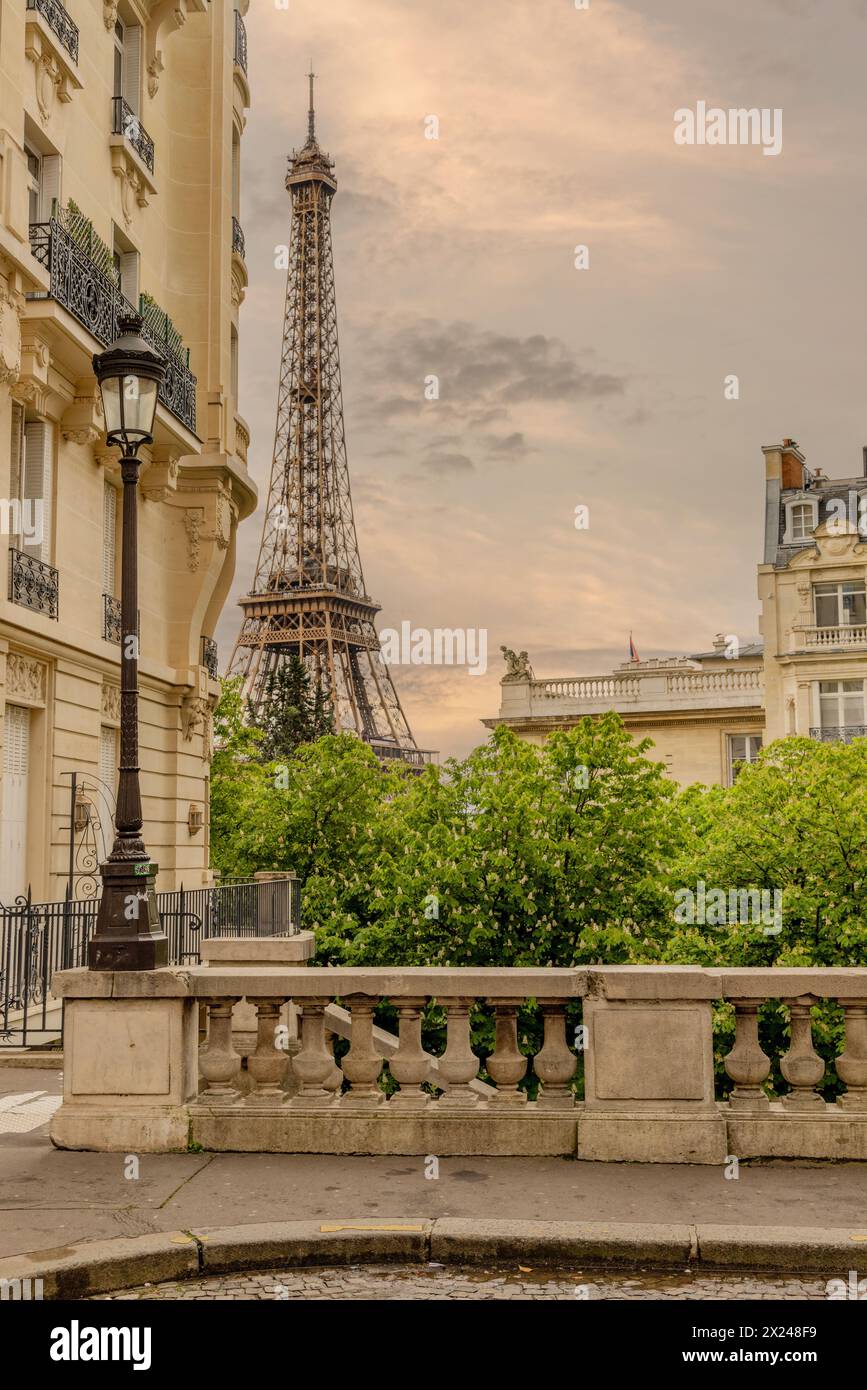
{"points": [[431, 1282]]}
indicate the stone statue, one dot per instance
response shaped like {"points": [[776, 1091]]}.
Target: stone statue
{"points": [[518, 666]]}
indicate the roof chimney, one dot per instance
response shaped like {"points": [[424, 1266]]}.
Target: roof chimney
{"points": [[793, 465]]}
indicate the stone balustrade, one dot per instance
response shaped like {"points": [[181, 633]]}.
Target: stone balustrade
{"points": [[139, 1077]]}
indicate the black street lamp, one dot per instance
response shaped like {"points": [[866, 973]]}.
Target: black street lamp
{"points": [[129, 934]]}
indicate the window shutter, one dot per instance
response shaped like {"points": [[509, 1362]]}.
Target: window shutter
{"points": [[109, 539], [129, 277], [13, 818], [38, 446], [108, 757], [49, 192], [132, 66]]}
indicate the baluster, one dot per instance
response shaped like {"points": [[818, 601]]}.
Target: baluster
{"points": [[314, 1064], [267, 1065], [555, 1064], [459, 1065], [362, 1063], [219, 1063], [802, 1066], [408, 1065], [506, 1064], [852, 1063], [747, 1064], [334, 1080]]}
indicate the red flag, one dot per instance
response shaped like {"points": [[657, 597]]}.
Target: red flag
{"points": [[633, 654]]}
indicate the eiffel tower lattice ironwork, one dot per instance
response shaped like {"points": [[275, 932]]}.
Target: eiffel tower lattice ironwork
{"points": [[309, 598]]}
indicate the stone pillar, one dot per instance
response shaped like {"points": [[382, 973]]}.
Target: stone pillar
{"points": [[219, 1063], [362, 1064], [555, 1063], [747, 1064], [267, 1065], [314, 1064], [802, 1066], [649, 1073], [459, 1065], [409, 1065], [130, 1066], [852, 1063], [506, 1064]]}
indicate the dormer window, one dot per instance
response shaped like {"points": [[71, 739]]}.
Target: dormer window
{"points": [[801, 520]]}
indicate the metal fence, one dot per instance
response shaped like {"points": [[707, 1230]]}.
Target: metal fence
{"points": [[36, 939]]}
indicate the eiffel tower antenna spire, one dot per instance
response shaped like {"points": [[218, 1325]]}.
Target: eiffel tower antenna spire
{"points": [[311, 113], [309, 598]]}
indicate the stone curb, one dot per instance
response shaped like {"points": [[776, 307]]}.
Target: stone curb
{"points": [[104, 1266], [44, 1061]]}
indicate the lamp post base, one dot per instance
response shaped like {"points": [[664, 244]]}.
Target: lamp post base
{"points": [[129, 934]]}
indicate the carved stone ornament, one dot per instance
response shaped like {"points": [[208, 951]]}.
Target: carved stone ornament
{"points": [[518, 666], [26, 679], [11, 305], [194, 713], [194, 520], [110, 703], [109, 13]]}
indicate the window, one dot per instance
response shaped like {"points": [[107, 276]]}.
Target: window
{"points": [[840, 605], [801, 521], [126, 263], [32, 470], [127, 64], [743, 748], [841, 704], [13, 812], [108, 759], [43, 184], [109, 540]]}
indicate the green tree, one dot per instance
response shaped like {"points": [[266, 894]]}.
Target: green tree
{"points": [[291, 714]]}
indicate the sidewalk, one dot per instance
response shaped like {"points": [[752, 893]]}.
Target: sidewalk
{"points": [[51, 1199]]}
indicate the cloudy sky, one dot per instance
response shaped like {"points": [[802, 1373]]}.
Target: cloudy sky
{"points": [[562, 387]]}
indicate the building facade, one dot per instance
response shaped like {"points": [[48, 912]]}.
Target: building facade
{"points": [[120, 137], [709, 713]]}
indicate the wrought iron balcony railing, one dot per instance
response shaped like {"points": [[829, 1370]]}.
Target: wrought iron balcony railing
{"points": [[210, 657], [84, 284], [59, 22], [125, 122], [839, 733], [33, 584], [111, 628], [239, 245], [240, 42]]}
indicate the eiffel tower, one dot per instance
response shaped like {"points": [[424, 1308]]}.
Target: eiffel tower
{"points": [[309, 598]]}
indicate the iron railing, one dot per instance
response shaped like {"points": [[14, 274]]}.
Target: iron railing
{"points": [[59, 22], [239, 244], [392, 752], [111, 621], [36, 939], [89, 291], [210, 657], [125, 122], [34, 584], [161, 331], [240, 42], [839, 733]]}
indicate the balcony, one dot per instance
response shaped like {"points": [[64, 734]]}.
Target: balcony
{"points": [[33, 584], [416, 758], [239, 245], [240, 43], [59, 23], [111, 625], [211, 657], [125, 122], [839, 733], [845, 637], [670, 685], [84, 281]]}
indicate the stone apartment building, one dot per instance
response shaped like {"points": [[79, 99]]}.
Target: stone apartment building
{"points": [[710, 712], [120, 136]]}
